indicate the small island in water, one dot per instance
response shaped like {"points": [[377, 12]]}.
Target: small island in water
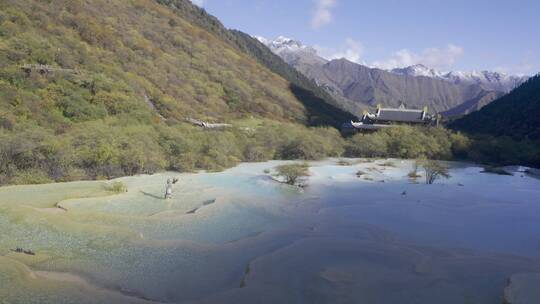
{"points": [[356, 227]]}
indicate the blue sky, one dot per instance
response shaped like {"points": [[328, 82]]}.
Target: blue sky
{"points": [[447, 35]]}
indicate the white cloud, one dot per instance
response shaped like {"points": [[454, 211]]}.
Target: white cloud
{"points": [[351, 50], [198, 2], [322, 14], [437, 58], [526, 67], [442, 59]]}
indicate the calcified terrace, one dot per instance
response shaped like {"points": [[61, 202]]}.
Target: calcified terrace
{"points": [[240, 237]]}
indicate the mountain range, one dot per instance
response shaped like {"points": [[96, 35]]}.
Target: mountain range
{"points": [[358, 86], [490, 81]]}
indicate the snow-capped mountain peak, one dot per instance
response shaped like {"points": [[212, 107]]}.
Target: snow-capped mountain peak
{"points": [[294, 52], [417, 70], [285, 44], [490, 81], [287, 41]]}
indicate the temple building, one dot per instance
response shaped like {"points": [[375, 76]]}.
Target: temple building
{"points": [[389, 117]]}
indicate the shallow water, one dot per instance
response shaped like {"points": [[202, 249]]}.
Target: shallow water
{"points": [[240, 237]]}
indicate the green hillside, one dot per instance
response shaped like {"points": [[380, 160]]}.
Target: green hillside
{"points": [[322, 109], [92, 89], [516, 114], [121, 51]]}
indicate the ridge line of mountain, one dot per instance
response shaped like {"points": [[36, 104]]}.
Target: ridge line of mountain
{"points": [[491, 81]]}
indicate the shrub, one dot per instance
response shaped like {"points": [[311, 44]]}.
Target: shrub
{"points": [[460, 145], [116, 187], [367, 145], [343, 162], [413, 174], [388, 164], [293, 173], [306, 146], [254, 153], [434, 170], [405, 142], [359, 173], [29, 177]]}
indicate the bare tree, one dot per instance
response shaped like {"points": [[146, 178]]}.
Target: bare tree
{"points": [[413, 174], [435, 170]]}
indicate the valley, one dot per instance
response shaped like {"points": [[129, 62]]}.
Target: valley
{"points": [[159, 151]]}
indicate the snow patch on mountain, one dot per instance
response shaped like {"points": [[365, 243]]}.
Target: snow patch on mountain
{"points": [[490, 81], [293, 51], [283, 44], [417, 70]]}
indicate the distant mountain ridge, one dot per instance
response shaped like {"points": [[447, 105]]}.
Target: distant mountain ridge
{"points": [[358, 87], [490, 81], [374, 86]]}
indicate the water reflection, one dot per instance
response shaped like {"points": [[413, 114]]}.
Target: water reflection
{"points": [[240, 237]]}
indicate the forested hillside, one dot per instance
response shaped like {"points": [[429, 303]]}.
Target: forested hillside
{"points": [[507, 131], [101, 88], [516, 114], [121, 51], [322, 109]]}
